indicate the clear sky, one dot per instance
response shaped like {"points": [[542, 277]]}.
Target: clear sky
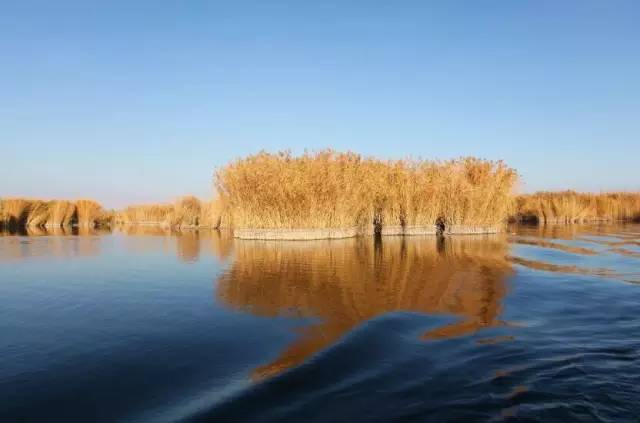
{"points": [[138, 101]]}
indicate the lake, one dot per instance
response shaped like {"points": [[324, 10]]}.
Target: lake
{"points": [[141, 324]]}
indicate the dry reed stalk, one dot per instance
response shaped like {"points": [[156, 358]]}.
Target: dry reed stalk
{"points": [[215, 214], [343, 190], [62, 213], [39, 212], [279, 191], [89, 212], [206, 218], [574, 207], [156, 214], [19, 212], [186, 212], [105, 219], [15, 211]]}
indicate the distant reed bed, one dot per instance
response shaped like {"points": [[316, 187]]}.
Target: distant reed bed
{"points": [[575, 207], [186, 212], [33, 213], [328, 189]]}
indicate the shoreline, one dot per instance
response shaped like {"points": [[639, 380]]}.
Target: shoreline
{"points": [[295, 234], [303, 234]]}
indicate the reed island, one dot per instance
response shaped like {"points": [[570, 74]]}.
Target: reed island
{"points": [[337, 195]]}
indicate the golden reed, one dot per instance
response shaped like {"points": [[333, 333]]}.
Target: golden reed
{"points": [[575, 207], [329, 194], [331, 190], [21, 212], [186, 212]]}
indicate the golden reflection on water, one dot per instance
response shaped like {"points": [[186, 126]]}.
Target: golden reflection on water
{"points": [[189, 244], [550, 267], [613, 241], [57, 242], [554, 245], [346, 282], [583, 232], [343, 283]]}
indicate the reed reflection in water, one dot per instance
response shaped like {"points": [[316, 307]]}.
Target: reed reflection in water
{"points": [[58, 242], [189, 244], [344, 283]]}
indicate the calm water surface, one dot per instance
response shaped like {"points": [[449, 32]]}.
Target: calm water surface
{"points": [[145, 325]]}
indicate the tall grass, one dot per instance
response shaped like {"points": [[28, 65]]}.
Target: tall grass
{"points": [[328, 189], [64, 213], [89, 212], [39, 213], [21, 212], [216, 214], [186, 212], [15, 211], [575, 207], [145, 214]]}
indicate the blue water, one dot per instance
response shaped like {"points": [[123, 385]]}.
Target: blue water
{"points": [[145, 325]]}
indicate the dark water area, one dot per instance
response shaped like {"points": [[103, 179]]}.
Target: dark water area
{"points": [[140, 324]]}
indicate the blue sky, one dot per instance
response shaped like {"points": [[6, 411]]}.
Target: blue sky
{"points": [[139, 101]]}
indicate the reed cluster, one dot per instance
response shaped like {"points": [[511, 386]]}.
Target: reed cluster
{"points": [[186, 212], [328, 189], [155, 214], [575, 207], [21, 212], [89, 212]]}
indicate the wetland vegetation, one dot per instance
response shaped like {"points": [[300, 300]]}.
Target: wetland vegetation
{"points": [[328, 194]]}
